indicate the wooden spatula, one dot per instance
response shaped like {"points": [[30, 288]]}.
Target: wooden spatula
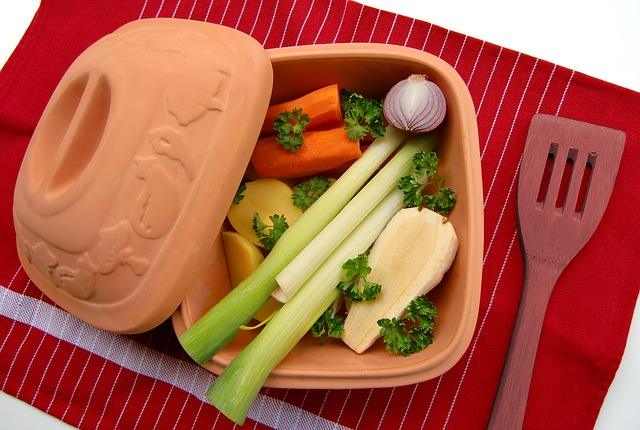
{"points": [[567, 174]]}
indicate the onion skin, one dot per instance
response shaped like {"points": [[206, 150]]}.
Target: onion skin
{"points": [[415, 104]]}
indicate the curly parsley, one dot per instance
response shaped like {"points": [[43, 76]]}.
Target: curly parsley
{"points": [[355, 286], [289, 126], [414, 332], [328, 325], [306, 193], [362, 116], [425, 165], [268, 235]]}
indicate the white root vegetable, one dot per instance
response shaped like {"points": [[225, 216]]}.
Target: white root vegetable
{"points": [[408, 259]]}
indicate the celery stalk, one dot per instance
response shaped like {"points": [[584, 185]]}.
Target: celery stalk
{"points": [[234, 391], [303, 265], [221, 323]]}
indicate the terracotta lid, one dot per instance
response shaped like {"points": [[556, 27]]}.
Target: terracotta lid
{"points": [[131, 169]]}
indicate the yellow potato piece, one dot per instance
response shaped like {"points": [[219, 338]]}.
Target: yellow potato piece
{"points": [[243, 257], [266, 197]]}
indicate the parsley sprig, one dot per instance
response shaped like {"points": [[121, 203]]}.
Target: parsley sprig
{"points": [[362, 115], [306, 193], [414, 332], [289, 126], [240, 193], [425, 165], [268, 235], [354, 285], [328, 325]]}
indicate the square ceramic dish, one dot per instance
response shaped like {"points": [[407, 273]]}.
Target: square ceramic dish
{"points": [[373, 69]]}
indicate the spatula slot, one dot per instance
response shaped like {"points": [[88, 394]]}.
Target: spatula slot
{"points": [[546, 175], [585, 182], [566, 177]]}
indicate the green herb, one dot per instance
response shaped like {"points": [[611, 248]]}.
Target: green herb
{"points": [[273, 232], [442, 201], [306, 193], [425, 166], [328, 325], [362, 115], [289, 126], [414, 332], [240, 193], [355, 286]]}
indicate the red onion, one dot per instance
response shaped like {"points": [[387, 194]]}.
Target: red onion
{"points": [[415, 104]]}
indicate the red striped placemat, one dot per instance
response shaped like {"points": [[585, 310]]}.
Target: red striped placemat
{"points": [[94, 379]]}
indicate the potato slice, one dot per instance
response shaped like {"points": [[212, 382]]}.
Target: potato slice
{"points": [[408, 259], [266, 197], [243, 257]]}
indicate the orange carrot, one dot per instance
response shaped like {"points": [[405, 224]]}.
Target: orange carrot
{"points": [[321, 151], [322, 106]]}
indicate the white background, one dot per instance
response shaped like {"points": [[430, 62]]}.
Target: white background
{"points": [[584, 35]]}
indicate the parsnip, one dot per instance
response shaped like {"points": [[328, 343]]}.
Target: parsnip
{"points": [[408, 259]]}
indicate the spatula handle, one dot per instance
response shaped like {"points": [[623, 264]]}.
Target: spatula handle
{"points": [[511, 400]]}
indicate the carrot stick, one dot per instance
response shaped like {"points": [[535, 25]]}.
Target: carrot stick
{"points": [[320, 151], [322, 106]]}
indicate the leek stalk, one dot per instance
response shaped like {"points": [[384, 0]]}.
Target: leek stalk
{"points": [[239, 384], [306, 262], [221, 323]]}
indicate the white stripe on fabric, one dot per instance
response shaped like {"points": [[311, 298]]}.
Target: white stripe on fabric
{"points": [[143, 359], [19, 313], [446, 37], [193, 7], [324, 402], [355, 28], [304, 23], [273, 18], [497, 114], [386, 408], [144, 6], [393, 25], [406, 409], [464, 42], [433, 400], [244, 5], [364, 408], [286, 23], [255, 21], [25, 310], [155, 382], [51, 360], [33, 357], [206, 17], [406, 40], [424, 44], [304, 399], [324, 21], [284, 398], [107, 358], [175, 9], [475, 64], [564, 93], [160, 8], [344, 13], [224, 13], [346, 399], [64, 370], [260, 408], [94, 342], [489, 81], [480, 329], [375, 24]]}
